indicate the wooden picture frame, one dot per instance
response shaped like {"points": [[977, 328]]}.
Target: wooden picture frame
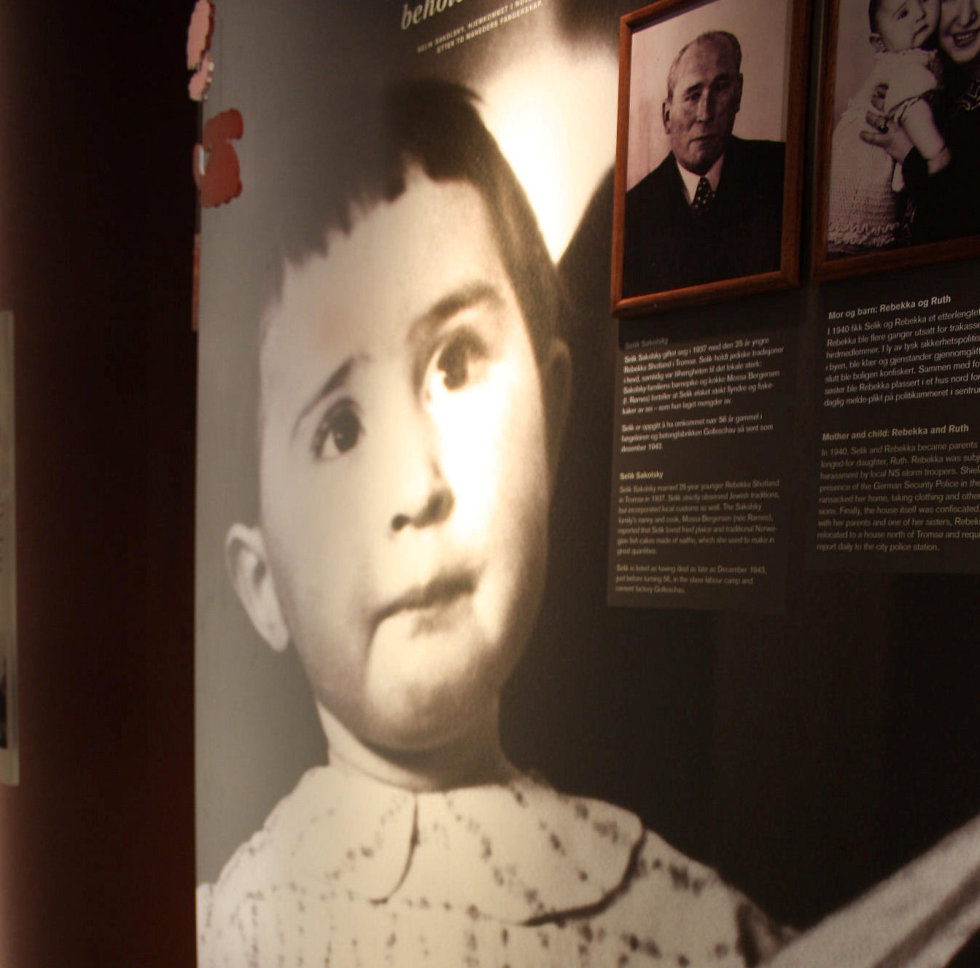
{"points": [[845, 241], [9, 742], [663, 256]]}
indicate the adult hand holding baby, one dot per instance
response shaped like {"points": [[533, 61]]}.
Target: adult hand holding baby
{"points": [[881, 132]]}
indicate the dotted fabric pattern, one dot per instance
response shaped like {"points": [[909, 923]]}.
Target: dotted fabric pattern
{"points": [[350, 873]]}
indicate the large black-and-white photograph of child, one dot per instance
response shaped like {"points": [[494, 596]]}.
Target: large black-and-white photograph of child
{"points": [[388, 395], [900, 135], [708, 156], [422, 736], [398, 376]]}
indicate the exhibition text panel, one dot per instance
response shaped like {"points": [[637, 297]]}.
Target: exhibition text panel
{"points": [[699, 473], [897, 454]]}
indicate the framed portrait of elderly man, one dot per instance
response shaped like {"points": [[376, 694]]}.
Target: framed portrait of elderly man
{"points": [[899, 135], [709, 151]]}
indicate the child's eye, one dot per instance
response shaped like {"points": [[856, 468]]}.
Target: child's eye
{"points": [[338, 432], [459, 361]]}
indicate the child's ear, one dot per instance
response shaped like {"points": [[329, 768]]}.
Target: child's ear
{"points": [[877, 43], [245, 555], [556, 367]]}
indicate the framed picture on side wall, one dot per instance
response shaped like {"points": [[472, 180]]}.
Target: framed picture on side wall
{"points": [[9, 759], [899, 136], [709, 154]]}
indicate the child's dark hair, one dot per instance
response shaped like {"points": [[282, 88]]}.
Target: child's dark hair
{"points": [[325, 138], [435, 126], [327, 135]]}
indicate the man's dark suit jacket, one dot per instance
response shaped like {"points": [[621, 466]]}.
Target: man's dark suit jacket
{"points": [[667, 246]]}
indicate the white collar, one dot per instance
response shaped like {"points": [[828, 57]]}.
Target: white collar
{"points": [[691, 180], [517, 851]]}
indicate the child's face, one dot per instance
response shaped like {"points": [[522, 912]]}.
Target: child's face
{"points": [[904, 24], [405, 478]]}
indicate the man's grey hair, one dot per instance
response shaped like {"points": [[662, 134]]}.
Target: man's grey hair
{"points": [[721, 37]]}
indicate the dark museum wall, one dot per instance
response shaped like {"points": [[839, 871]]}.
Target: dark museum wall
{"points": [[96, 235]]}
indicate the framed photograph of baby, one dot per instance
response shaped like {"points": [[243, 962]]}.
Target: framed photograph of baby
{"points": [[709, 152], [899, 136]]}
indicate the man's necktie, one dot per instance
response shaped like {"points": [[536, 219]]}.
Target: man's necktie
{"points": [[703, 197]]}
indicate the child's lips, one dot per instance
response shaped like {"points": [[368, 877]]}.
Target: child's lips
{"points": [[438, 593]]}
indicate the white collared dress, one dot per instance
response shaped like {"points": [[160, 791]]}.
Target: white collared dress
{"points": [[351, 873]]}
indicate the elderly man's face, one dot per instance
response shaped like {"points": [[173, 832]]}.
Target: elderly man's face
{"points": [[700, 113]]}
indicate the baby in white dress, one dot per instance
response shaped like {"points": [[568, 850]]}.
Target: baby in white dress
{"points": [[868, 208]]}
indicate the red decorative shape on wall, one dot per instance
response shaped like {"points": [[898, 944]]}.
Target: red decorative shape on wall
{"points": [[199, 59], [200, 80], [216, 169], [199, 33]]}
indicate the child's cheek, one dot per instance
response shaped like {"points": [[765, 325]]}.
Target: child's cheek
{"points": [[483, 432]]}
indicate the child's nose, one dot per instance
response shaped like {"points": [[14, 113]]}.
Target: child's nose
{"points": [[432, 507], [422, 495]]}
